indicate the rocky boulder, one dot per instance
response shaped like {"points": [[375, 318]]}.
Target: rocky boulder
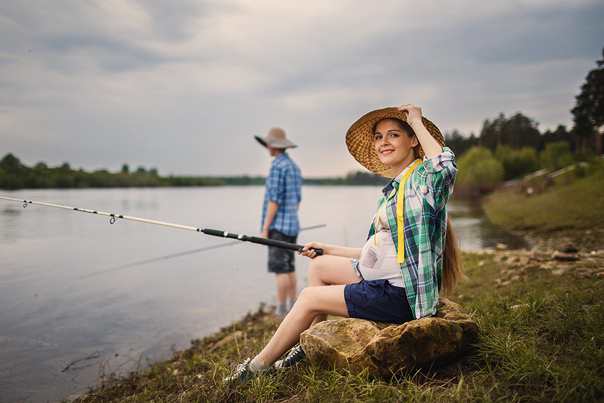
{"points": [[384, 349]]}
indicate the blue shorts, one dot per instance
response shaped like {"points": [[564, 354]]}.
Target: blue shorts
{"points": [[281, 260], [377, 300]]}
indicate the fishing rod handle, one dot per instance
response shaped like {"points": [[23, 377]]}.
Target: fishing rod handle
{"points": [[280, 244], [263, 241]]}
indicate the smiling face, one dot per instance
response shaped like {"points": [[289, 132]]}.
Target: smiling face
{"points": [[393, 145]]}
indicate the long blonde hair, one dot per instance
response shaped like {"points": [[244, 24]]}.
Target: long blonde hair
{"points": [[452, 270]]}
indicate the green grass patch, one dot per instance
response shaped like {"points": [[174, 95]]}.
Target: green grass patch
{"points": [[566, 204], [540, 332], [540, 340], [541, 327]]}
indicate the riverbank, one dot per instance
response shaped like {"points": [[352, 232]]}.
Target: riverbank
{"points": [[554, 210], [540, 314]]}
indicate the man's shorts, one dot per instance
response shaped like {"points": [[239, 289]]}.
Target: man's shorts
{"points": [[281, 260], [377, 300]]}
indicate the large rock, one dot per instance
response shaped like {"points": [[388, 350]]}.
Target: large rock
{"points": [[383, 349]]}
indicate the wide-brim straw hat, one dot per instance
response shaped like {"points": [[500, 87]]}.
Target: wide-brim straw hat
{"points": [[360, 142], [276, 139]]}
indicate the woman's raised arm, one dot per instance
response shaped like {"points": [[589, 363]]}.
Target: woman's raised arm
{"points": [[414, 118]]}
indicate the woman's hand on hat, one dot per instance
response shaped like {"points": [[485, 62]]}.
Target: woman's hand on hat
{"points": [[309, 249], [412, 112], [414, 118]]}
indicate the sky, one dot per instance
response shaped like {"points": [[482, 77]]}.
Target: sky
{"points": [[183, 86]]}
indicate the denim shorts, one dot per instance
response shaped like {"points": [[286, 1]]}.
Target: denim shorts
{"points": [[281, 260], [377, 300]]}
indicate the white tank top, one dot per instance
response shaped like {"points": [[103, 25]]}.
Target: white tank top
{"points": [[378, 258]]}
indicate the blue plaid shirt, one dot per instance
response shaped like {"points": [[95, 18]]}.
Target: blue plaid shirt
{"points": [[425, 223], [284, 186]]}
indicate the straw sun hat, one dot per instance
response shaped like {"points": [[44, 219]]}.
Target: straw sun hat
{"points": [[359, 139], [276, 139]]}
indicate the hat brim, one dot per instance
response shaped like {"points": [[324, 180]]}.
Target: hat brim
{"points": [[275, 143], [360, 143]]}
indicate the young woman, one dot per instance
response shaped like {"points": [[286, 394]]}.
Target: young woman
{"points": [[410, 254]]}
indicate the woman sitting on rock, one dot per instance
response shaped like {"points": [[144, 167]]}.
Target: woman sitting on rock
{"points": [[397, 275]]}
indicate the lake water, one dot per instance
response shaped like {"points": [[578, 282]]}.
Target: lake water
{"points": [[74, 305]]}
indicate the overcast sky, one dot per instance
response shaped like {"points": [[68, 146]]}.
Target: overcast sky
{"points": [[184, 85]]}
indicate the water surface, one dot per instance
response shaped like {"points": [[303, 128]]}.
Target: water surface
{"points": [[71, 312]]}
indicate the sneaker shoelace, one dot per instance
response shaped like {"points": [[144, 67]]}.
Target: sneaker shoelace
{"points": [[242, 372], [295, 355]]}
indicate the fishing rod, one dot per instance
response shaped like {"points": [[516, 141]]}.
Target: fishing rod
{"points": [[178, 254], [214, 232]]}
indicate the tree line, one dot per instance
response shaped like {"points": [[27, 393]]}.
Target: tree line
{"points": [[15, 175], [509, 148], [506, 148]]}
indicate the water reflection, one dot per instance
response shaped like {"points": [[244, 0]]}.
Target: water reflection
{"points": [[475, 231]]}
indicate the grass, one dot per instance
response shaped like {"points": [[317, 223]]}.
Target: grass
{"points": [[566, 203], [541, 332], [540, 321]]}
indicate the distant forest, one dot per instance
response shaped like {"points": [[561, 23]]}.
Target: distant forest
{"points": [[506, 148], [15, 175]]}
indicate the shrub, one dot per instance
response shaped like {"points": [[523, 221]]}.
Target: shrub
{"points": [[479, 167], [556, 155], [517, 163]]}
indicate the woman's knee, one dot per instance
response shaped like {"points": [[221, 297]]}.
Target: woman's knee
{"points": [[315, 301], [303, 297], [304, 302], [326, 270], [316, 268], [307, 298]]}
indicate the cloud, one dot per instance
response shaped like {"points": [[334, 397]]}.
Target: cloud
{"points": [[184, 86]]}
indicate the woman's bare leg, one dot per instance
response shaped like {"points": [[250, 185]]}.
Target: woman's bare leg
{"points": [[311, 302], [327, 277], [330, 270]]}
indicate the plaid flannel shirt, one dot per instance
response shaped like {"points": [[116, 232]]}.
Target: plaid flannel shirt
{"points": [[284, 186], [427, 191]]}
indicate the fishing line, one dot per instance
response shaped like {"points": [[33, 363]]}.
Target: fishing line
{"points": [[173, 255], [214, 232]]}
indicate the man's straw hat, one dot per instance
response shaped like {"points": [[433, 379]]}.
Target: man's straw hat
{"points": [[276, 139], [359, 139]]}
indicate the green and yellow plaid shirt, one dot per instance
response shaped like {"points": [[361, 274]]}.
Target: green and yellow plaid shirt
{"points": [[427, 191]]}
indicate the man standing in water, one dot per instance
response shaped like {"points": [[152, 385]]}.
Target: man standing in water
{"points": [[280, 215]]}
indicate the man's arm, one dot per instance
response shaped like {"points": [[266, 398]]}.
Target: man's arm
{"points": [[271, 212]]}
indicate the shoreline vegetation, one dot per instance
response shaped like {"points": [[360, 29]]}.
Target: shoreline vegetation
{"points": [[16, 176], [507, 148], [540, 314]]}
